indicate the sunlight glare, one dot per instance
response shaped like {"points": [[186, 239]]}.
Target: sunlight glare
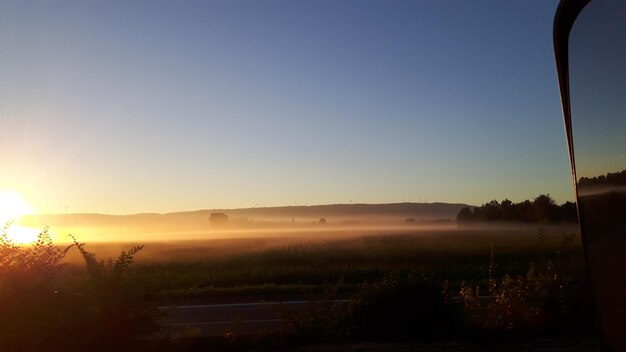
{"points": [[12, 205]]}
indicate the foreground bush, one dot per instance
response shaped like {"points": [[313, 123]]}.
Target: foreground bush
{"points": [[396, 308], [34, 308], [43, 308], [552, 298]]}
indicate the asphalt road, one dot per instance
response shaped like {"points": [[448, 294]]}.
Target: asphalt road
{"points": [[244, 318], [254, 315]]}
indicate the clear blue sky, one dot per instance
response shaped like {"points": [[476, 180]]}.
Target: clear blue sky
{"points": [[141, 106]]}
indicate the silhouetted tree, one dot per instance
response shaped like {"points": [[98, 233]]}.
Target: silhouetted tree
{"points": [[218, 219], [508, 210], [544, 208], [492, 211], [465, 215], [568, 212]]}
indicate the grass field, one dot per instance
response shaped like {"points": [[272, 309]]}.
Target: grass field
{"points": [[310, 262]]}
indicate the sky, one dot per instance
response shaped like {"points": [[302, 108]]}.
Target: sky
{"points": [[156, 106]]}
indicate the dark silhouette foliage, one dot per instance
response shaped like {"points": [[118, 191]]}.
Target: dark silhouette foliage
{"points": [[119, 309], [543, 209], [32, 302], [610, 179], [396, 308], [465, 215], [218, 219], [45, 306]]}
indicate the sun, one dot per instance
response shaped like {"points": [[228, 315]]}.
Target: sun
{"points": [[12, 205]]}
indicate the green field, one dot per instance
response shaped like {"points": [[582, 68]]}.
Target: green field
{"points": [[310, 263]]}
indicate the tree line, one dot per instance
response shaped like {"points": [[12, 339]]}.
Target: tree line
{"points": [[610, 179], [542, 209]]}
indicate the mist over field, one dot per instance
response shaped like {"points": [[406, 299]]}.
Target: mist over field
{"points": [[303, 221], [195, 236]]}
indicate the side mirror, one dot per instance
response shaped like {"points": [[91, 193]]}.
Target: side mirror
{"points": [[590, 50]]}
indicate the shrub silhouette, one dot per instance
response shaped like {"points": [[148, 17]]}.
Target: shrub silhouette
{"points": [[32, 302], [120, 312], [553, 295], [397, 308], [45, 307]]}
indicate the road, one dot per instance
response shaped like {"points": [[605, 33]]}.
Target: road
{"points": [[253, 315], [244, 317]]}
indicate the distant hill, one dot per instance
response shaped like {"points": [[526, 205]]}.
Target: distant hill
{"points": [[344, 211], [196, 220]]}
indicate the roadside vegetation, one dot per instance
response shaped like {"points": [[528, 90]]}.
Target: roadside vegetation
{"points": [[46, 306]]}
